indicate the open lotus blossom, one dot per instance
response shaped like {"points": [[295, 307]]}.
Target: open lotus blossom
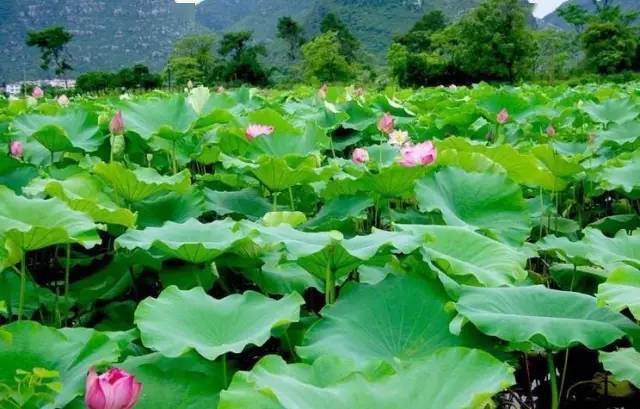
{"points": [[421, 154], [360, 155], [114, 389], [63, 101], [551, 131], [503, 116], [254, 130], [398, 138], [116, 126], [385, 123], [37, 93], [16, 149]]}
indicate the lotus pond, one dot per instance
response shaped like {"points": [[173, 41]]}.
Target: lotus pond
{"points": [[442, 248]]}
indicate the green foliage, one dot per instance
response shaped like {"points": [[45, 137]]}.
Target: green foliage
{"points": [[192, 59], [52, 43], [136, 77], [290, 31], [242, 63], [610, 46], [323, 60], [349, 45]]}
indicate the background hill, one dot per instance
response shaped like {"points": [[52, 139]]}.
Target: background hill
{"points": [[554, 19], [110, 34]]}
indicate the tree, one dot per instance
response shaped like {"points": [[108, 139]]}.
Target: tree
{"points": [[184, 69], [575, 15], [555, 50], [610, 46], [290, 31], [243, 59], [52, 43], [194, 50], [418, 39], [323, 61], [494, 41], [349, 45]]}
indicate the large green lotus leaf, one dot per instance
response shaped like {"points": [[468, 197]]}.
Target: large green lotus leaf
{"points": [[190, 241], [84, 193], [170, 206], [73, 129], [622, 290], [180, 321], [15, 174], [404, 319], [188, 381], [552, 319], [367, 246], [167, 118], [555, 162], [268, 116], [278, 174], [285, 143], [10, 254], [395, 180], [360, 116], [298, 244], [621, 173], [33, 224], [274, 384], [596, 248], [140, 183], [485, 201], [71, 352], [624, 364], [619, 134], [338, 210], [246, 202], [611, 110], [277, 277], [522, 168], [469, 161], [463, 253]]}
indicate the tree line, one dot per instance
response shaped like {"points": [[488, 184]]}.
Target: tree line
{"points": [[493, 42]]}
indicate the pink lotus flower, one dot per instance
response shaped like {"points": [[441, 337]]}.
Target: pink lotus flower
{"points": [[385, 123], [503, 116], [398, 138], [116, 126], [253, 131], [421, 154], [16, 149], [37, 93], [360, 155], [63, 101], [551, 131], [114, 389]]}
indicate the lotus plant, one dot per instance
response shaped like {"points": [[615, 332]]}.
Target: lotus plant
{"points": [[416, 155], [37, 93], [116, 127], [63, 101], [360, 156], [503, 116], [255, 130], [386, 123], [398, 138], [322, 92], [16, 149], [114, 389], [551, 131]]}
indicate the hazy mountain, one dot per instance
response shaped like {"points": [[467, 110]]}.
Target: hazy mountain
{"points": [[554, 19]]}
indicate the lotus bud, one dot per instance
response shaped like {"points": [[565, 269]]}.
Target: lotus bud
{"points": [[37, 93], [116, 126], [551, 131], [16, 149], [253, 131], [63, 101], [114, 389], [386, 123], [189, 84], [503, 116], [360, 156], [322, 92], [398, 138], [421, 154]]}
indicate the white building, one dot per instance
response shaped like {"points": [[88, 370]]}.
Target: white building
{"points": [[16, 87]]}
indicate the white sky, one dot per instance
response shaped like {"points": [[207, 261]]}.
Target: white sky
{"points": [[544, 7]]}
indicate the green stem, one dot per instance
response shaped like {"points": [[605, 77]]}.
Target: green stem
{"points": [[23, 284], [329, 286], [224, 371], [67, 269], [174, 161], [275, 201], [291, 204], [553, 379]]}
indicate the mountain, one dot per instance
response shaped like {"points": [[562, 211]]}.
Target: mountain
{"points": [[555, 20]]}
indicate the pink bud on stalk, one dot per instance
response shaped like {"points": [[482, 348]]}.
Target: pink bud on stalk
{"points": [[551, 131], [385, 123], [37, 93], [360, 156], [503, 116], [114, 389], [254, 130], [16, 149], [63, 101], [421, 154], [116, 126]]}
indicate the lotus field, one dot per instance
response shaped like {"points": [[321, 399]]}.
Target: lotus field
{"points": [[442, 248]]}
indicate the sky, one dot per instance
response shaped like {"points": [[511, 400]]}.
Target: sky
{"points": [[544, 7]]}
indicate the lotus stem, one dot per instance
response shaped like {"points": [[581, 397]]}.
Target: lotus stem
{"points": [[225, 378], [67, 269], [23, 284], [174, 161], [330, 286], [553, 379], [275, 201], [291, 204]]}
